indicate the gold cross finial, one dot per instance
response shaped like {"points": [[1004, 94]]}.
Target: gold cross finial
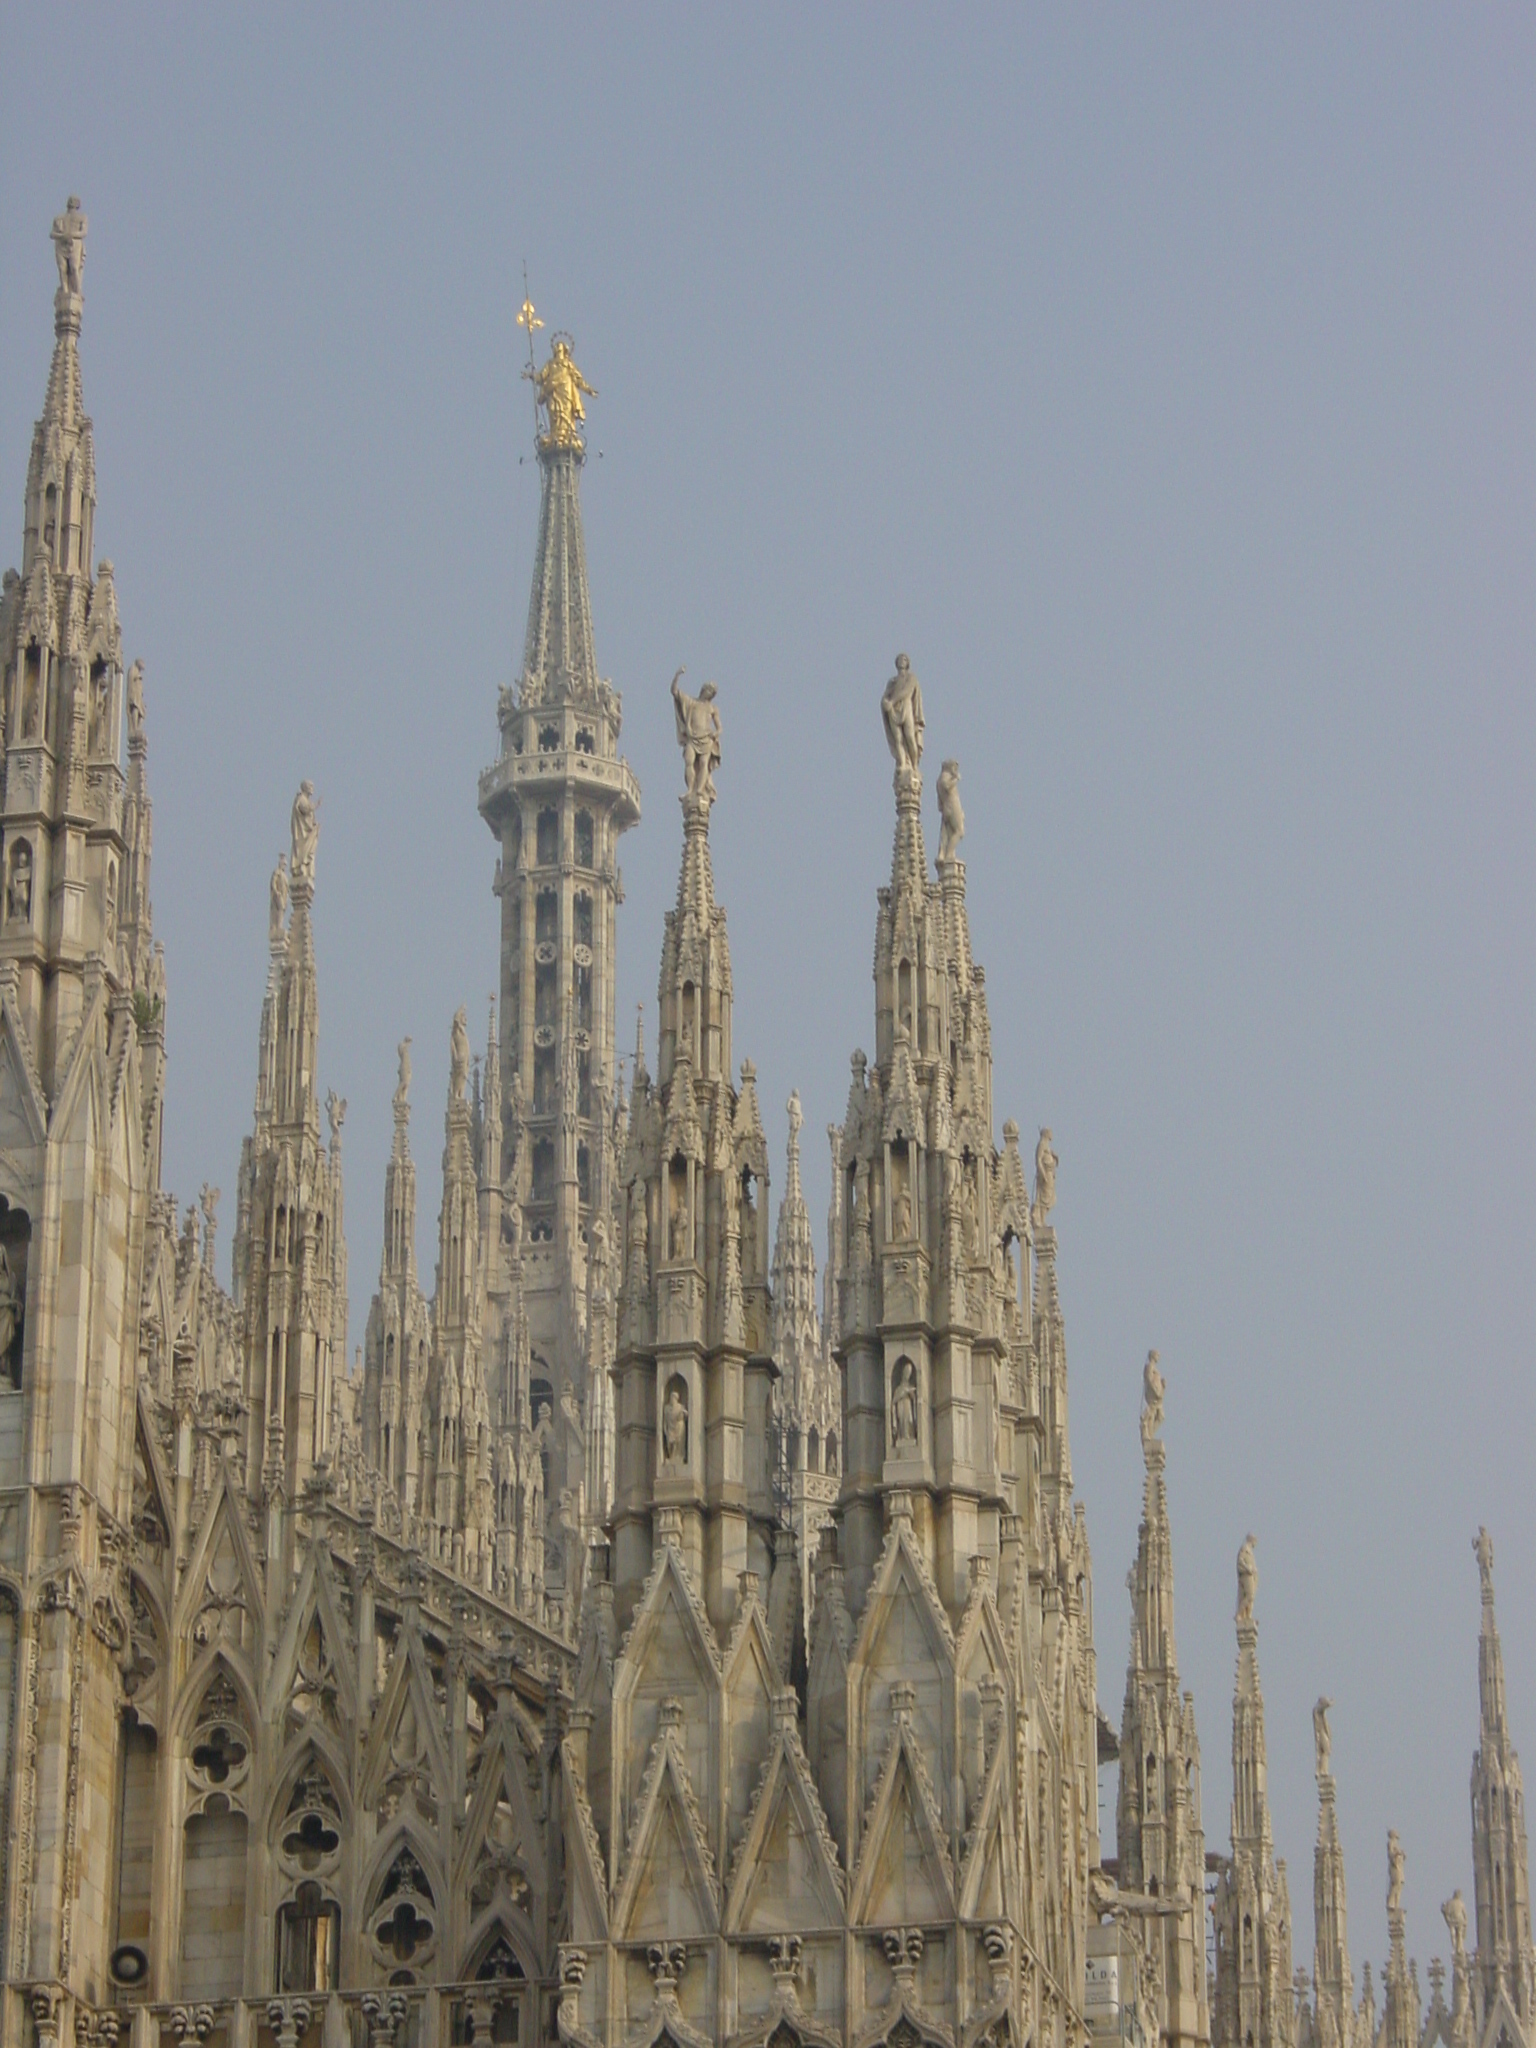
{"points": [[526, 317]]}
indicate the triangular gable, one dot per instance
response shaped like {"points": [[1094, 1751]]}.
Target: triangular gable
{"points": [[669, 1653], [904, 1876], [296, 1675], [668, 1886], [406, 1745], [1502, 2024], [826, 1718], [83, 1076], [23, 1109], [156, 1481], [749, 1682], [989, 1888], [587, 1888], [787, 1856], [222, 1577], [509, 1843]]}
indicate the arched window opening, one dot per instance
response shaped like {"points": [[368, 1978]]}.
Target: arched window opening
{"points": [[583, 1175], [584, 1084], [15, 1242], [582, 919], [831, 1450], [582, 980], [813, 1452], [308, 1941], [32, 692], [135, 1855], [546, 914], [904, 998], [544, 1080], [586, 839], [544, 1171], [586, 742], [549, 741], [545, 1005], [690, 1021], [548, 846]]}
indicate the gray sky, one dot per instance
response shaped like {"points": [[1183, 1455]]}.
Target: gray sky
{"points": [[1161, 382]]}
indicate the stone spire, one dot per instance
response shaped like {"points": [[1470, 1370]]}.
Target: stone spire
{"points": [[1504, 1959], [398, 1339], [290, 1250], [1160, 1839], [69, 824], [694, 1367], [1254, 2001], [1402, 2016], [558, 799], [807, 1396], [459, 1446], [1332, 1977]]}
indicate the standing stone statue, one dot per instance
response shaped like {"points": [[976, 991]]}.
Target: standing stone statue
{"points": [[1153, 1388], [1396, 1861], [403, 1084], [1482, 1545], [278, 902], [1247, 1579], [10, 1304], [305, 826], [1454, 1913], [1046, 1164], [698, 734], [69, 246], [674, 1429], [1322, 1740], [458, 1055], [904, 1403], [136, 698], [951, 817], [901, 706]]}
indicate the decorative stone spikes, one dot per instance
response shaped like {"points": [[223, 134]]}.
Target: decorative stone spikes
{"points": [[559, 653], [1505, 1959], [1332, 1977]]}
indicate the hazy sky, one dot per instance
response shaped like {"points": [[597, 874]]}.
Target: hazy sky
{"points": [[1161, 382]]}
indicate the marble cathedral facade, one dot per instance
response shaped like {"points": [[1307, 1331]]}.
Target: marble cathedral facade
{"points": [[635, 1648]]}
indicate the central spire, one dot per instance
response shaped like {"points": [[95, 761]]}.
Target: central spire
{"points": [[559, 656]]}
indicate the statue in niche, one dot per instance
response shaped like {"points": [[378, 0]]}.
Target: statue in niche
{"points": [[1153, 1388], [674, 1427], [681, 1244], [277, 906], [18, 901], [136, 698], [1396, 1862], [901, 1214], [10, 1305], [305, 826], [1046, 1163], [1322, 1740], [698, 734], [110, 902], [904, 1404], [29, 701], [458, 1055], [403, 1084], [901, 707], [638, 1230], [101, 693], [970, 1214], [951, 816], [1247, 1579]]}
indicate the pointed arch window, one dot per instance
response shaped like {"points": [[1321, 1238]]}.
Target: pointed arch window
{"points": [[547, 842], [586, 839], [308, 1941]]}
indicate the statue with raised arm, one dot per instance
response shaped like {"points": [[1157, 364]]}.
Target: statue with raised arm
{"points": [[1322, 1740], [1247, 1579], [305, 825], [698, 734], [277, 908], [69, 246], [1046, 1164], [458, 1055], [901, 707], [951, 817], [559, 387]]}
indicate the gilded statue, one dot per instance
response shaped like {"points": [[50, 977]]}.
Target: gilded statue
{"points": [[698, 734], [559, 387], [901, 707], [951, 816]]}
